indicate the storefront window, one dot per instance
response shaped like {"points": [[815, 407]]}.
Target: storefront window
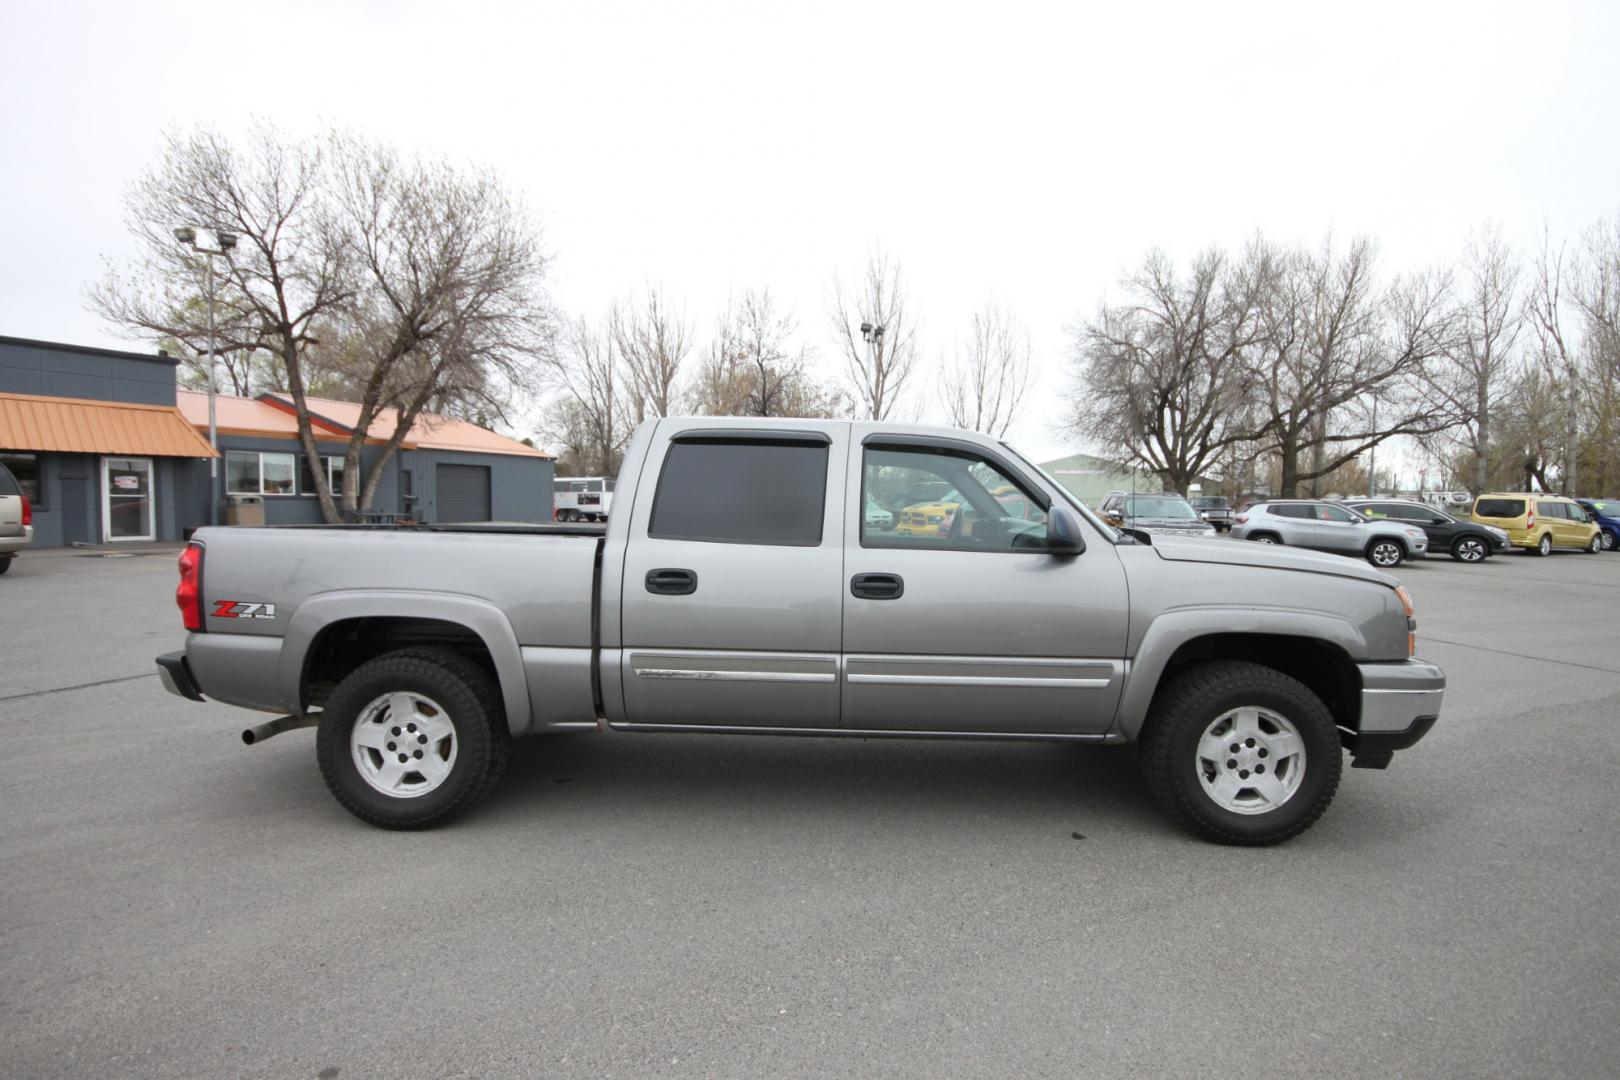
{"points": [[241, 472], [250, 473], [334, 475], [25, 467]]}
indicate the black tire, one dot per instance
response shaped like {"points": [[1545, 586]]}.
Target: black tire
{"points": [[471, 703], [1596, 546], [1610, 541], [1386, 554], [1193, 700], [1470, 549], [5, 563], [1543, 546], [1265, 538]]}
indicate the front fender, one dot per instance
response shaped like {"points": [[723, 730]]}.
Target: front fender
{"points": [[1173, 629], [481, 617]]}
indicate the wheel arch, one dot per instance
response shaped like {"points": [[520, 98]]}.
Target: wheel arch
{"points": [[1318, 650], [332, 634]]}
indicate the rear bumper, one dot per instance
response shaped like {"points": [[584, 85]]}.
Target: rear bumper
{"points": [[1400, 702], [10, 544], [176, 676]]}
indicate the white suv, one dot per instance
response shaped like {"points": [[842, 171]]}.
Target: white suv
{"points": [[16, 519], [1327, 526]]}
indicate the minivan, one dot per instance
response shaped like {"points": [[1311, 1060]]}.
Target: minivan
{"points": [[1539, 522]]}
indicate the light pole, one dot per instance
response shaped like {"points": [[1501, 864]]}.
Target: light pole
{"points": [[872, 334], [197, 240]]}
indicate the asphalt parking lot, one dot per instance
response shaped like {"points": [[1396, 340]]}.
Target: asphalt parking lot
{"points": [[176, 904]]}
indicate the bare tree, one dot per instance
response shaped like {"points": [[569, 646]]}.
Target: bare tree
{"points": [[1343, 360], [1546, 307], [1596, 293], [752, 366], [984, 384], [1481, 372], [407, 282], [877, 370], [653, 342], [289, 278], [589, 419], [1165, 379]]}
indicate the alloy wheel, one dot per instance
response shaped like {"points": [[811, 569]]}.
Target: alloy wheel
{"points": [[1250, 760], [403, 744]]}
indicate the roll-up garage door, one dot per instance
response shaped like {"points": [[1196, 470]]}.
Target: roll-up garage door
{"points": [[462, 492]]}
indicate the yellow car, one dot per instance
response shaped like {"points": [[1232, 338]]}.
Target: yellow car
{"points": [[936, 518], [1539, 522]]}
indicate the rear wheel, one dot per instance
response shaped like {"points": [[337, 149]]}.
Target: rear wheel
{"points": [[1469, 549], [1544, 545], [412, 739], [1241, 754], [1265, 538], [1385, 554], [1608, 540]]}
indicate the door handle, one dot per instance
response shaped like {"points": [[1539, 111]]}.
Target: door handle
{"points": [[877, 586], [671, 582]]}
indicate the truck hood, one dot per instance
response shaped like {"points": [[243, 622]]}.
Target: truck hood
{"points": [[1241, 553]]}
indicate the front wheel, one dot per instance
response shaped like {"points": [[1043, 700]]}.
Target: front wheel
{"points": [[1240, 753], [1469, 549], [412, 739], [1385, 554], [1596, 545]]}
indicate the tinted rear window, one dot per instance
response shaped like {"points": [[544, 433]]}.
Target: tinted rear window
{"points": [[8, 483], [739, 492], [1499, 508], [1293, 510]]}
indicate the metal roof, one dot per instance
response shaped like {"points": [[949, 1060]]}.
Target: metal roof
{"points": [[77, 426]]}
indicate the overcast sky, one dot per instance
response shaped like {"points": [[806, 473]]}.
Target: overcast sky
{"points": [[1026, 152]]}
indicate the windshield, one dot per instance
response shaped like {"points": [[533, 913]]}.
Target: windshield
{"points": [[1163, 507], [1208, 502], [1606, 507]]}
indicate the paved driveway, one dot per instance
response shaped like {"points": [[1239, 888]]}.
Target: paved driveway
{"points": [[173, 903]]}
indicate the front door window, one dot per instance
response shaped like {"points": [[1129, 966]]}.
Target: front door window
{"points": [[126, 500]]}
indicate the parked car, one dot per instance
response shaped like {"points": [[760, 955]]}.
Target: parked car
{"points": [[1167, 514], [878, 518], [1328, 526], [1538, 522], [1214, 509], [765, 606], [1465, 541], [1606, 512], [16, 519]]}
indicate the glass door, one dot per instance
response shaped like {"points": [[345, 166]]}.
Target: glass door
{"points": [[126, 499]]}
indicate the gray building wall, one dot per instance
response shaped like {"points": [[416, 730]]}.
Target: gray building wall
{"points": [[69, 508], [305, 507], [51, 370], [519, 487]]}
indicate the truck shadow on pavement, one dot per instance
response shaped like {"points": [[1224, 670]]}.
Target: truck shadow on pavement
{"points": [[817, 777]]}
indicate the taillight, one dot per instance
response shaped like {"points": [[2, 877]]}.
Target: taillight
{"points": [[1530, 518], [28, 511], [189, 595], [1241, 519]]}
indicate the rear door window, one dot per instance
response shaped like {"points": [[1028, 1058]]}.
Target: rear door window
{"points": [[1500, 508], [736, 491], [1294, 510], [1550, 510]]}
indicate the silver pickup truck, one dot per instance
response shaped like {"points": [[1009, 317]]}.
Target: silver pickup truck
{"points": [[739, 587]]}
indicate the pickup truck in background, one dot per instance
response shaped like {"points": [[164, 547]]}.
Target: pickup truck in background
{"points": [[741, 587]]}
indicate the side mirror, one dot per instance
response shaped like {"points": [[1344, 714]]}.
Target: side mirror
{"points": [[1063, 537]]}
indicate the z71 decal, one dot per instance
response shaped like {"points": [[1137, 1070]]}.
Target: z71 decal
{"points": [[237, 609]]}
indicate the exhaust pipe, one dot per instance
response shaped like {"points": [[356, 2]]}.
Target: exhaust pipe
{"points": [[276, 727]]}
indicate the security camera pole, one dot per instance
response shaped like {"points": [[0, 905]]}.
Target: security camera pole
{"points": [[872, 334], [223, 242]]}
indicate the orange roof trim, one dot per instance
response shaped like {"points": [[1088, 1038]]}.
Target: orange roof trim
{"points": [[429, 432], [248, 416], [77, 426]]}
